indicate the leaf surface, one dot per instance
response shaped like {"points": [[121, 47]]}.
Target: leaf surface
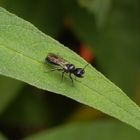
{"points": [[23, 49]]}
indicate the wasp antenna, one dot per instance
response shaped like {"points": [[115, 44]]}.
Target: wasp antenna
{"points": [[85, 66]]}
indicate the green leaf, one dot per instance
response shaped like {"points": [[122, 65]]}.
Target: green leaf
{"points": [[35, 11], [2, 137], [99, 8], [28, 110], [89, 131], [23, 49], [9, 89]]}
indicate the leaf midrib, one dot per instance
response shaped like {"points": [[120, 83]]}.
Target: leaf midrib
{"points": [[92, 89]]}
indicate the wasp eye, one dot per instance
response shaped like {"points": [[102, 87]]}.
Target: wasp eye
{"points": [[79, 72]]}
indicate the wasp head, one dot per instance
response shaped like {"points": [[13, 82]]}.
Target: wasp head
{"points": [[79, 72]]}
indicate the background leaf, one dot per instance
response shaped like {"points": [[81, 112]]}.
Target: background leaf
{"points": [[89, 131], [2, 137], [23, 49], [9, 91], [99, 8]]}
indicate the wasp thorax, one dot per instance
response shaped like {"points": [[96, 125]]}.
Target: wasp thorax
{"points": [[70, 68]]}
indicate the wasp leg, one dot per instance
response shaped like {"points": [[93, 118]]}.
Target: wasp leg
{"points": [[53, 70], [62, 76], [71, 77]]}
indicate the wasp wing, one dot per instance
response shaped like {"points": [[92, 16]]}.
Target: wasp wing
{"points": [[56, 60]]}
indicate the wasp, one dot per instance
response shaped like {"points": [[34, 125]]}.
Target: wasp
{"points": [[65, 66]]}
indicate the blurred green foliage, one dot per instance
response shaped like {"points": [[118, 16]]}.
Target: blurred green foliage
{"points": [[9, 88], [110, 27], [89, 131]]}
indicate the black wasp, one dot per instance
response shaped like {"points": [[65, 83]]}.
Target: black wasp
{"points": [[65, 66]]}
